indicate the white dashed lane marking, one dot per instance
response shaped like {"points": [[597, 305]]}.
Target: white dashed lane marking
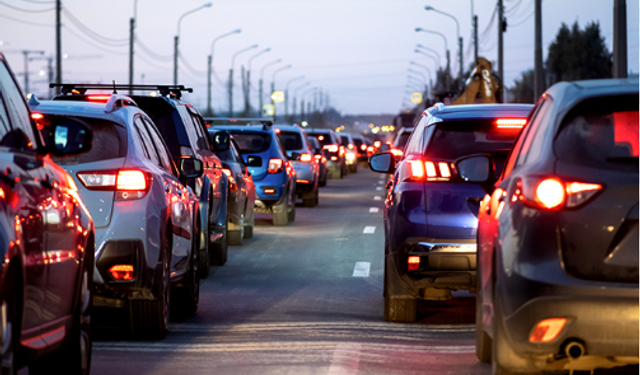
{"points": [[377, 198], [374, 210], [361, 269], [379, 188], [381, 182], [369, 230]]}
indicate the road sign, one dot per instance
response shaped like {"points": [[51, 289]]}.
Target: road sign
{"points": [[416, 97], [277, 96], [268, 110]]}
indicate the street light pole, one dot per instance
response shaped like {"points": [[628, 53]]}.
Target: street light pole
{"points": [[273, 84], [430, 50], [132, 27], [233, 62], [210, 68], [260, 92], [295, 98], [458, 34], [177, 38], [247, 98], [286, 96], [446, 47]]}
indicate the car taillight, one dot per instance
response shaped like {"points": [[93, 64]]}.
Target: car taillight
{"points": [[128, 184], [334, 158], [99, 98], [232, 182], [321, 138], [376, 144], [318, 157], [552, 193], [370, 149], [351, 147], [341, 150], [433, 171], [37, 116], [413, 263], [511, 123], [397, 152], [547, 330], [363, 147], [275, 165], [331, 148], [306, 157], [122, 272]]}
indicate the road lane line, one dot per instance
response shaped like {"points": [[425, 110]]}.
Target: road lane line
{"points": [[377, 198], [362, 269], [379, 188], [345, 360], [381, 182], [374, 210], [369, 230]]}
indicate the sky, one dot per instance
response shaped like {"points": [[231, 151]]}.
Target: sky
{"points": [[358, 52]]}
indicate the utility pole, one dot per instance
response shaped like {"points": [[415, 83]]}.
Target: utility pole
{"points": [[26, 54], [619, 39], [475, 39], [286, 105], [132, 25], [448, 80], [302, 109], [245, 90], [293, 111], [260, 95], [58, 45], [51, 75], [500, 49], [461, 78], [175, 60], [230, 93], [209, 109], [538, 73]]}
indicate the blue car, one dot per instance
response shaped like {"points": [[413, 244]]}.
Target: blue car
{"points": [[266, 158], [430, 215]]}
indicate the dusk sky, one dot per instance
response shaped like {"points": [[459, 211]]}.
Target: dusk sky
{"points": [[357, 51]]}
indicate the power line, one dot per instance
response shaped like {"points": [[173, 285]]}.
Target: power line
{"points": [[94, 35], [27, 10], [26, 22], [94, 45], [151, 53], [39, 2]]}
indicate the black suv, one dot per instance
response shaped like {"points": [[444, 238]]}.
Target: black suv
{"points": [[46, 241]]}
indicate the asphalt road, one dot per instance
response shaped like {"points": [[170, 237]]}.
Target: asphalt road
{"points": [[305, 299]]}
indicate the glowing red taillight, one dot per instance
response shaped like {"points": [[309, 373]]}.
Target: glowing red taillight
{"points": [[417, 168], [318, 157], [131, 180], [275, 165], [129, 184], [351, 147], [331, 148], [122, 272], [37, 116], [306, 157], [99, 98], [444, 170], [413, 263], [363, 147], [433, 171], [397, 152], [552, 193], [232, 182], [511, 123], [341, 150]]}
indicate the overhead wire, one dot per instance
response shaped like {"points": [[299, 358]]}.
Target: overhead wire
{"points": [[26, 22], [150, 52], [92, 44], [92, 34], [27, 10]]}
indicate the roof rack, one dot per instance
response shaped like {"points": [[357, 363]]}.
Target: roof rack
{"points": [[267, 121], [81, 88]]}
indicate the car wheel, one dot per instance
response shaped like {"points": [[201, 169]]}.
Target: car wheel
{"points": [[220, 249], [483, 340], [236, 236], [187, 298], [280, 214], [400, 310], [150, 318], [504, 360], [248, 229]]}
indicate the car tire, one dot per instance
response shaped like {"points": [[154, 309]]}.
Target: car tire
{"points": [[281, 214], [187, 297], [149, 319], [504, 360], [483, 340], [248, 227], [220, 249], [236, 236], [400, 310], [291, 215]]}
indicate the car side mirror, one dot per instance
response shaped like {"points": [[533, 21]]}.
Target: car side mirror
{"points": [[382, 163], [295, 156], [221, 141], [191, 167], [475, 169], [67, 136]]}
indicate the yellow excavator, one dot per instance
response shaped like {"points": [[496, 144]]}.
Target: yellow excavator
{"points": [[480, 87]]}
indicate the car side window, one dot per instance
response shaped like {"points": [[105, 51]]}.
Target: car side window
{"points": [[539, 126], [147, 143], [17, 130], [414, 143], [5, 127], [159, 145], [532, 129]]}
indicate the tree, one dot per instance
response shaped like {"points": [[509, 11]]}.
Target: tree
{"points": [[579, 54], [522, 91]]}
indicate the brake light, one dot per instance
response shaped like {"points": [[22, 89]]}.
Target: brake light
{"points": [[341, 150], [434, 171], [417, 168], [350, 146], [370, 149], [275, 165], [413, 263], [306, 157], [363, 147], [553, 194], [321, 137], [132, 180], [547, 330], [232, 182], [99, 98], [128, 184], [431, 169], [331, 148], [511, 123], [122, 272], [334, 158], [377, 144], [444, 170], [37, 116], [397, 152], [277, 131], [318, 157]]}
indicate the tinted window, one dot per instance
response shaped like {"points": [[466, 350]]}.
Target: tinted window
{"points": [[104, 133], [324, 139], [532, 146], [413, 143], [291, 140], [147, 143], [252, 142], [602, 133], [160, 146], [227, 155], [401, 140], [345, 139], [21, 133]]}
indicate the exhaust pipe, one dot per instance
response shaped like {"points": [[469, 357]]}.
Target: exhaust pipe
{"points": [[574, 350]]}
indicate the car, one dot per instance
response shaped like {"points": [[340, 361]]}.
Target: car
{"points": [[146, 221], [401, 140], [361, 146], [558, 235], [430, 212], [294, 140], [321, 158], [47, 241], [336, 161], [183, 131], [242, 189], [352, 153], [264, 155]]}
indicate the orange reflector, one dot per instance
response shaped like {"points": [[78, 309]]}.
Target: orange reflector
{"points": [[547, 330], [305, 157], [413, 263], [511, 123], [417, 168], [131, 180], [431, 169], [269, 190], [122, 272], [444, 170], [302, 181], [550, 193]]}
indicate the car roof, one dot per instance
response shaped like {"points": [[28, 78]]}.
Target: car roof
{"points": [[241, 128], [481, 111], [318, 130], [569, 93], [289, 128], [83, 109]]}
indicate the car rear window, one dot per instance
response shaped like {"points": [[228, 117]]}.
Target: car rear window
{"points": [[252, 142], [291, 140], [345, 139], [601, 133], [109, 142], [401, 141], [324, 139], [455, 139]]}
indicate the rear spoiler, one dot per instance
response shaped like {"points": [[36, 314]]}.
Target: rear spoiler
{"points": [[266, 122], [81, 88]]}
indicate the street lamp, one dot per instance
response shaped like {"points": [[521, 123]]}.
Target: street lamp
{"points": [[262, 76], [286, 96], [233, 63], [247, 89], [295, 99], [302, 96], [177, 38], [423, 67], [446, 47], [210, 67], [430, 50], [429, 56], [273, 78], [428, 8]]}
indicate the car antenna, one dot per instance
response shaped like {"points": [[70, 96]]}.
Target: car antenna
{"points": [[114, 87]]}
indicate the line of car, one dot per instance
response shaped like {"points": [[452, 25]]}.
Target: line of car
{"points": [[533, 209]]}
